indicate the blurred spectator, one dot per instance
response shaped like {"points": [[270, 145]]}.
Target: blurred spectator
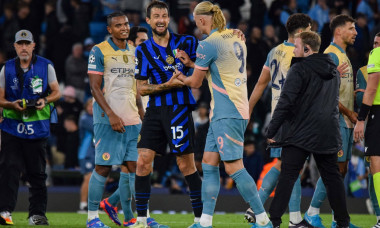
{"points": [[68, 106], [288, 9], [86, 152], [64, 12], [303, 5], [76, 71], [233, 8], [258, 13], [257, 50], [369, 9], [88, 44], [320, 13], [243, 26], [362, 43], [227, 16], [81, 20], [326, 35], [3, 59], [71, 142], [252, 159], [7, 31], [314, 26], [186, 23], [52, 28], [270, 37], [110, 6]]}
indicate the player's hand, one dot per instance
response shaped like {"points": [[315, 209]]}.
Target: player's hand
{"points": [[40, 104], [185, 59], [239, 34], [17, 105], [343, 69], [178, 74], [353, 116], [117, 123], [174, 82], [359, 131], [270, 141]]}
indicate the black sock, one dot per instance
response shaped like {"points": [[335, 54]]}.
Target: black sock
{"points": [[195, 185], [142, 186]]}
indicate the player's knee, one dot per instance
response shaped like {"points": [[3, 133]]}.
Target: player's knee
{"points": [[143, 167], [186, 168], [102, 170]]}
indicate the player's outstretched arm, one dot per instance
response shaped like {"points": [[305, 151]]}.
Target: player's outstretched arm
{"points": [[144, 88], [115, 121], [193, 81], [260, 86]]}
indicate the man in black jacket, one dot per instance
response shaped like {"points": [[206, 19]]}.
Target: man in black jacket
{"points": [[309, 104]]}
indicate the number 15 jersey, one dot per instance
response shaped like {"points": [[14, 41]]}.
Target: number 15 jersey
{"points": [[278, 63], [224, 56]]}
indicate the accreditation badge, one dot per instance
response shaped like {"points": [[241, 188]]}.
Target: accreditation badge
{"points": [[36, 85]]}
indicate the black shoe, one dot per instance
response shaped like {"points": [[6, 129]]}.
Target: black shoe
{"points": [[250, 216], [377, 225], [302, 224], [38, 220]]}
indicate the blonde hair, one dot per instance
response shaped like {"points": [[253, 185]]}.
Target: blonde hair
{"points": [[207, 8]]}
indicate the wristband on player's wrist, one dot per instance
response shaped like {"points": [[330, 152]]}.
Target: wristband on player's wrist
{"points": [[364, 110]]}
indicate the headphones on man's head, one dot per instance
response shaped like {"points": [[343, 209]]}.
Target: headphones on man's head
{"points": [[305, 49]]}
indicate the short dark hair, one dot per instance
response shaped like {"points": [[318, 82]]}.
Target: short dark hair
{"points": [[112, 15], [310, 38], [297, 21], [156, 4], [133, 32], [340, 20]]}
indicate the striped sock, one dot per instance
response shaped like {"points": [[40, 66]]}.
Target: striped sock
{"points": [[142, 185]]}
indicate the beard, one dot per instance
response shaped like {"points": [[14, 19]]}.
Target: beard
{"points": [[160, 33]]}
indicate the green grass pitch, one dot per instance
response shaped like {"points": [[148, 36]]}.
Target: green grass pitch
{"points": [[74, 220]]}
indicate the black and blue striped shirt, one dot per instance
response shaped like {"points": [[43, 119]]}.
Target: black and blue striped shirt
{"points": [[156, 64]]}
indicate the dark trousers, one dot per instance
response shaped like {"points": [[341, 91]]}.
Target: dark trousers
{"points": [[27, 157], [293, 159]]}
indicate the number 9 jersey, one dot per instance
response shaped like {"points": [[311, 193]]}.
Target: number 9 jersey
{"points": [[224, 55], [278, 63]]}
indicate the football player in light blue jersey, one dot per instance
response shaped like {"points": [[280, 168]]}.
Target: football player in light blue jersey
{"points": [[221, 57]]}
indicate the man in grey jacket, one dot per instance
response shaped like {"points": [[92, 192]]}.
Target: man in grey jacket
{"points": [[309, 104]]}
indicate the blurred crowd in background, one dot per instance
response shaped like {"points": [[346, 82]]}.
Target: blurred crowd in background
{"points": [[66, 30]]}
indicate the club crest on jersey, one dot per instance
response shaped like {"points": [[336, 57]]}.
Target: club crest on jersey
{"points": [[106, 156], [170, 59], [125, 58]]}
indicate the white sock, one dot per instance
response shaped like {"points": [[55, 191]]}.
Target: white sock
{"points": [[262, 219], [142, 219], [147, 213], [196, 219], [206, 220], [295, 217], [92, 215], [313, 211], [82, 205]]}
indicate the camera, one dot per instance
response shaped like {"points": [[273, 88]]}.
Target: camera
{"points": [[28, 103]]}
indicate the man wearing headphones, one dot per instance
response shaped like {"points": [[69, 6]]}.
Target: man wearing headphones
{"points": [[309, 101]]}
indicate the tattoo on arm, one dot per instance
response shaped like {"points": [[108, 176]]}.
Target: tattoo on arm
{"points": [[147, 89]]}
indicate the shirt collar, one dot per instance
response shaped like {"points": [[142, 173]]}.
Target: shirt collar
{"points": [[113, 45], [337, 46]]}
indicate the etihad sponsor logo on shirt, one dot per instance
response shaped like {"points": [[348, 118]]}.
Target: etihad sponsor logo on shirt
{"points": [[177, 66], [123, 72]]}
